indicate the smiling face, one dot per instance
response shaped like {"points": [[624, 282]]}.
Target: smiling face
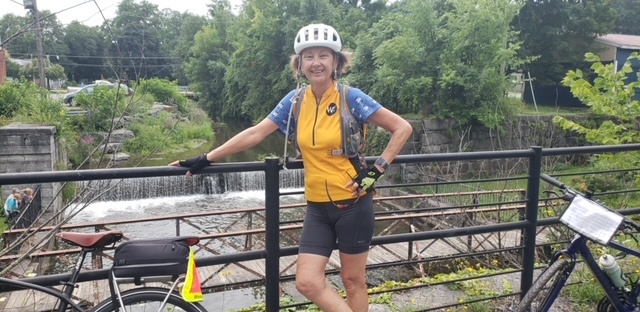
{"points": [[318, 64]]}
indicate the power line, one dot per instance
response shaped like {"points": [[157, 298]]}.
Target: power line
{"points": [[26, 28], [16, 2], [109, 57], [111, 65]]}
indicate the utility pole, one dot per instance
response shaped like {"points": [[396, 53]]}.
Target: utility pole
{"points": [[3, 64], [33, 6]]}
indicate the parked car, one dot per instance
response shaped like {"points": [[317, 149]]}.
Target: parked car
{"points": [[69, 98]]}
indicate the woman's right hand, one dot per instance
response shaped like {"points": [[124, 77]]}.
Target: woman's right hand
{"points": [[194, 164]]}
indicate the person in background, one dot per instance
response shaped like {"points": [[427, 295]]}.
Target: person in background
{"points": [[6, 203], [338, 192], [13, 206], [27, 197]]}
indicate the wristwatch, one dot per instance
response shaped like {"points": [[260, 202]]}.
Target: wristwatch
{"points": [[382, 163]]}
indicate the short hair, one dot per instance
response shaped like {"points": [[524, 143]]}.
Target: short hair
{"points": [[15, 190], [344, 63]]}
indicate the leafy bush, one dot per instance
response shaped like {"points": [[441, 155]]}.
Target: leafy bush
{"points": [[159, 134], [164, 91], [103, 104], [14, 94]]}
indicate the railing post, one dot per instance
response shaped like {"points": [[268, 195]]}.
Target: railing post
{"points": [[531, 215], [272, 234]]}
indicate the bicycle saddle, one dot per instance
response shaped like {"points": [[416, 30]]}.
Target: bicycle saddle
{"points": [[91, 240]]}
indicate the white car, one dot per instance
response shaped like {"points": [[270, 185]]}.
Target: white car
{"points": [[69, 98]]}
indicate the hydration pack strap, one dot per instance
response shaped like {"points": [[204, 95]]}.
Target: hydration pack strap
{"points": [[295, 100]]}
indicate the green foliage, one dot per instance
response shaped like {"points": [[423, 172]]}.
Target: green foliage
{"points": [[102, 105], [12, 93], [164, 91], [559, 32], [626, 17], [376, 140], [586, 291], [162, 133], [610, 96], [52, 71]]}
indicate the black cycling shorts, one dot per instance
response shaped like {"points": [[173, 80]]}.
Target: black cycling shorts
{"points": [[351, 227]]}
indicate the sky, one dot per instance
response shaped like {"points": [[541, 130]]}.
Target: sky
{"points": [[87, 12]]}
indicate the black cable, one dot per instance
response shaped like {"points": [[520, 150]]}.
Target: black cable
{"points": [[109, 57], [26, 28]]}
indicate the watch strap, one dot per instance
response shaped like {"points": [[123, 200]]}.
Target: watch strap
{"points": [[382, 163]]}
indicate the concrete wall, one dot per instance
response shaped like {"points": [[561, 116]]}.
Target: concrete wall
{"points": [[30, 148]]}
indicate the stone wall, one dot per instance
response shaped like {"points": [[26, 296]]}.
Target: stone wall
{"points": [[31, 148], [446, 136]]}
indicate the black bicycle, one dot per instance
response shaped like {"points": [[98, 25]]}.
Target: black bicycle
{"points": [[136, 261], [592, 221]]}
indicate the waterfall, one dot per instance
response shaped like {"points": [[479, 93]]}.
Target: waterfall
{"points": [[171, 186]]}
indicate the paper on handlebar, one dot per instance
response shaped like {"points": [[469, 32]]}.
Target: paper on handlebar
{"points": [[591, 219]]}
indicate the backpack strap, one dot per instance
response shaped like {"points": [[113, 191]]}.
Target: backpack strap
{"points": [[353, 132], [294, 111]]}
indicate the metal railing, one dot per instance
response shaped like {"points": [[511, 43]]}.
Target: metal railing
{"points": [[528, 222]]}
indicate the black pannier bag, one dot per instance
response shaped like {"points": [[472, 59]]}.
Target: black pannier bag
{"points": [[153, 257]]}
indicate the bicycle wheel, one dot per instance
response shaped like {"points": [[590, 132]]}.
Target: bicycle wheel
{"points": [[540, 291], [149, 299]]}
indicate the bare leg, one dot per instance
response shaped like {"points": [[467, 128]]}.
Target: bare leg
{"points": [[354, 278], [310, 282]]}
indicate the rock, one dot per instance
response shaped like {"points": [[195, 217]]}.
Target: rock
{"points": [[157, 108], [119, 156], [120, 135], [110, 148]]}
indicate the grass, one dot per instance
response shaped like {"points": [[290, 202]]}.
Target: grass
{"points": [[529, 109]]}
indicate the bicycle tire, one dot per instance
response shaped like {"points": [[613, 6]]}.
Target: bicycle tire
{"points": [[539, 292], [149, 299]]}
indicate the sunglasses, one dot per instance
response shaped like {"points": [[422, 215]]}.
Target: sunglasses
{"points": [[340, 206]]}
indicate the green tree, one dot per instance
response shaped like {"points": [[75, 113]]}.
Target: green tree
{"points": [[392, 59], [257, 76], [209, 59], [136, 41], [189, 26], [611, 96], [478, 45], [86, 49], [627, 21], [52, 71], [13, 69], [559, 32]]}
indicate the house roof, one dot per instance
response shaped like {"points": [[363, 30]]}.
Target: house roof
{"points": [[20, 62], [620, 41]]}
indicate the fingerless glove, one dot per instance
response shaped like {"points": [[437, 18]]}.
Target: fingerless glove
{"points": [[368, 181], [195, 164]]}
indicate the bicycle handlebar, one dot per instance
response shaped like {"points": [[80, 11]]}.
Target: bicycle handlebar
{"points": [[552, 181], [569, 193]]}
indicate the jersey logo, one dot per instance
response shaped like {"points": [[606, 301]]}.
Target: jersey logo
{"points": [[332, 109]]}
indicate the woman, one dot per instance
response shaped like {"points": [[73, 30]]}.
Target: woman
{"points": [[26, 198], [339, 196], [13, 206]]}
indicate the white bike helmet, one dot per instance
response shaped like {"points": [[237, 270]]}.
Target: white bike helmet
{"points": [[317, 35]]}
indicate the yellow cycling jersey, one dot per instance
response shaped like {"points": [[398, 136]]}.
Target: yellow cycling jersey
{"points": [[318, 134]]}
